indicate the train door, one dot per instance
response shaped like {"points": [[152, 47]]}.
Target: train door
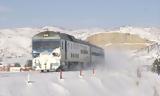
{"points": [[62, 49], [65, 50]]}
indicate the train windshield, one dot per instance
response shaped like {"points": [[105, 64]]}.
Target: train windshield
{"points": [[45, 45]]}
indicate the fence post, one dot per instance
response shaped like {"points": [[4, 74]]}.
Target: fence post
{"points": [[93, 71], [61, 74], [80, 72]]}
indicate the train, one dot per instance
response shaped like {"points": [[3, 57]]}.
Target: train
{"points": [[53, 51]]}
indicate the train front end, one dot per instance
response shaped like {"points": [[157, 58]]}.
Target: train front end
{"points": [[46, 52]]}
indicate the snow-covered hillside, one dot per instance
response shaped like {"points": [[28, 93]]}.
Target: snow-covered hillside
{"points": [[148, 54], [151, 33], [15, 44]]}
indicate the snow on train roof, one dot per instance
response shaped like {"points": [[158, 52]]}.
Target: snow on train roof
{"points": [[46, 35], [58, 35]]}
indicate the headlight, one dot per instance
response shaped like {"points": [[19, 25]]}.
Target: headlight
{"points": [[55, 54]]}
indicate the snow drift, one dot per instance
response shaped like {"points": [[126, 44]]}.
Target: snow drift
{"points": [[119, 78]]}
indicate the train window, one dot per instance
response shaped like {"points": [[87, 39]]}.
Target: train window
{"points": [[98, 54], [41, 45], [84, 52], [74, 55], [71, 55]]}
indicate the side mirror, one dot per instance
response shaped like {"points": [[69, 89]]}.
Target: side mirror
{"points": [[55, 54]]}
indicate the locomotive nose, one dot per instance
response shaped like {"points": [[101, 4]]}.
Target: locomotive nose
{"points": [[49, 62], [43, 59]]}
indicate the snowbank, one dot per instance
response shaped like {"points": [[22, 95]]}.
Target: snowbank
{"points": [[119, 78]]}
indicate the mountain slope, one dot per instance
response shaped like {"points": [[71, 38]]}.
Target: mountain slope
{"points": [[15, 44], [121, 40]]}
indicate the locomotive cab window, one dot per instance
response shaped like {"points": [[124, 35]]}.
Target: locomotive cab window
{"points": [[49, 45]]}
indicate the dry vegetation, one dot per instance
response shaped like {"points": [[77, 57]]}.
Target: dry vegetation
{"points": [[118, 40]]}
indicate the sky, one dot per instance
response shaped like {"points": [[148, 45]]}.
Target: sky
{"points": [[79, 13]]}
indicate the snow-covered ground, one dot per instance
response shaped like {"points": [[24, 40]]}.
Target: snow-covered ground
{"points": [[118, 78], [107, 83]]}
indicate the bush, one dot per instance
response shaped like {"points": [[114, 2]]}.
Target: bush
{"points": [[17, 64], [156, 66], [28, 63]]}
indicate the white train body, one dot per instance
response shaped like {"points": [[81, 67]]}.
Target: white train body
{"points": [[52, 51], [46, 61]]}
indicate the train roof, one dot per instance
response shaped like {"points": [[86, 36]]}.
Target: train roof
{"points": [[58, 35]]}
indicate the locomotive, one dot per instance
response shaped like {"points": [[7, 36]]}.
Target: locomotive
{"points": [[52, 51]]}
